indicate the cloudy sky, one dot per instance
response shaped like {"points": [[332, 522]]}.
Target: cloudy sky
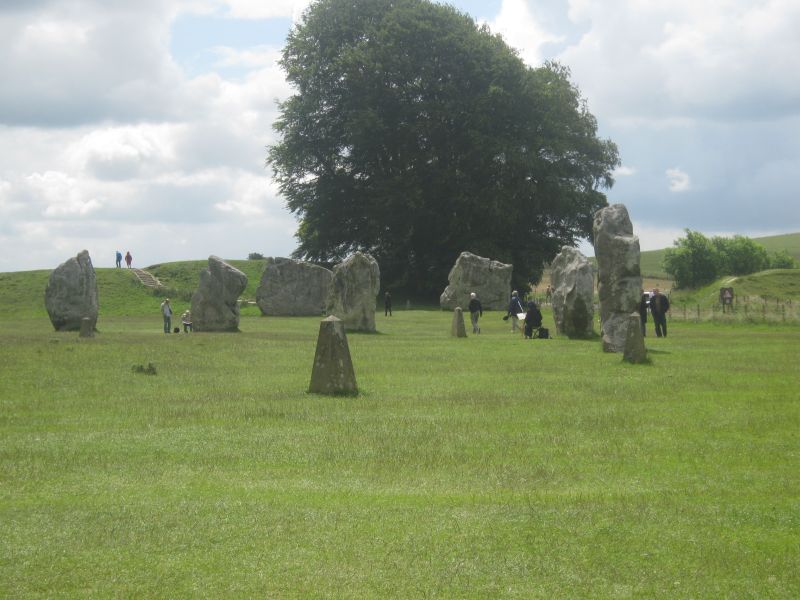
{"points": [[142, 125]]}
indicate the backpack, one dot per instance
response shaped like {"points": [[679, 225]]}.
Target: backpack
{"points": [[544, 333]]}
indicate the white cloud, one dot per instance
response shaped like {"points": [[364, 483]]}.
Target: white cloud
{"points": [[678, 180], [61, 195], [624, 171], [521, 30], [261, 9]]}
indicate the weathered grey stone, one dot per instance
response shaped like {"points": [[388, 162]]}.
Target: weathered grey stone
{"points": [[490, 279], [634, 351], [354, 286], [71, 294], [458, 329], [619, 277], [215, 304], [87, 328], [572, 280], [333, 368], [293, 288]]}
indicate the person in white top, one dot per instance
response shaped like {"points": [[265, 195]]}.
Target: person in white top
{"points": [[166, 311]]}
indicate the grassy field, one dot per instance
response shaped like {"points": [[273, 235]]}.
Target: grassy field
{"points": [[782, 284], [486, 467]]}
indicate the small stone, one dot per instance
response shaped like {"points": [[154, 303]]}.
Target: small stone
{"points": [[332, 373], [87, 328], [635, 351], [458, 329]]}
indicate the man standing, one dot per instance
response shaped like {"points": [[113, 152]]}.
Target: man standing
{"points": [[387, 304], [166, 312], [128, 258], [659, 306], [514, 309], [475, 311], [119, 259]]}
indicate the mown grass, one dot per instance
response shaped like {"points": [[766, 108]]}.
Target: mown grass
{"points": [[473, 468], [184, 276]]}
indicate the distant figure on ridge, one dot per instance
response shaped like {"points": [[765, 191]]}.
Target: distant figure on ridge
{"points": [[387, 304], [119, 259], [475, 311], [166, 312], [128, 258], [659, 306]]}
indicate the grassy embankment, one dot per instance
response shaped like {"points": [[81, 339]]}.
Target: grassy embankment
{"points": [[480, 467]]}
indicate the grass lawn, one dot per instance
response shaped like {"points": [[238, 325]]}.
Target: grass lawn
{"points": [[486, 467]]}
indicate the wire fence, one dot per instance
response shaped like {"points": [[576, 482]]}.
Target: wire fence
{"points": [[746, 310], [743, 310]]}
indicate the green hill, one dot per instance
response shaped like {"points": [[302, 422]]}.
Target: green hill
{"points": [[119, 292], [780, 284], [651, 259]]}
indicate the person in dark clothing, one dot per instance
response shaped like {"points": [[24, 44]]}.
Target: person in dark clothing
{"points": [[643, 312], [475, 311], [533, 320], [387, 304], [514, 309], [128, 258], [659, 306]]}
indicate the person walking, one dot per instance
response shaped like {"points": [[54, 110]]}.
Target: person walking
{"points": [[475, 311], [643, 313], [166, 312], [514, 309], [119, 259], [128, 258], [659, 306], [387, 304]]}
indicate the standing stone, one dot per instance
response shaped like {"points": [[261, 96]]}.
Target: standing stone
{"points": [[572, 279], [354, 287], [87, 328], [293, 288], [634, 352], [71, 294], [620, 280], [333, 368], [458, 329], [215, 305], [489, 279]]}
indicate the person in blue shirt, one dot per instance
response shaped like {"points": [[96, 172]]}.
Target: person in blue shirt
{"points": [[119, 259]]}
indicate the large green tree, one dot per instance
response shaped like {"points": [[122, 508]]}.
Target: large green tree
{"points": [[415, 134]]}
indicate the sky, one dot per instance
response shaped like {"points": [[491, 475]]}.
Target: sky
{"points": [[143, 126]]}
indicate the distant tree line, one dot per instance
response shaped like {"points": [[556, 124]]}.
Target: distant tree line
{"points": [[697, 260]]}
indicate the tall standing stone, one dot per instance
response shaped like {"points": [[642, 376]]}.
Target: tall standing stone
{"points": [[634, 351], [293, 288], [458, 329], [489, 279], [354, 287], [333, 368], [619, 276], [71, 294], [572, 278], [215, 305]]}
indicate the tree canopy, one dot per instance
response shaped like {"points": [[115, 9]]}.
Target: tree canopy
{"points": [[697, 260], [415, 134]]}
